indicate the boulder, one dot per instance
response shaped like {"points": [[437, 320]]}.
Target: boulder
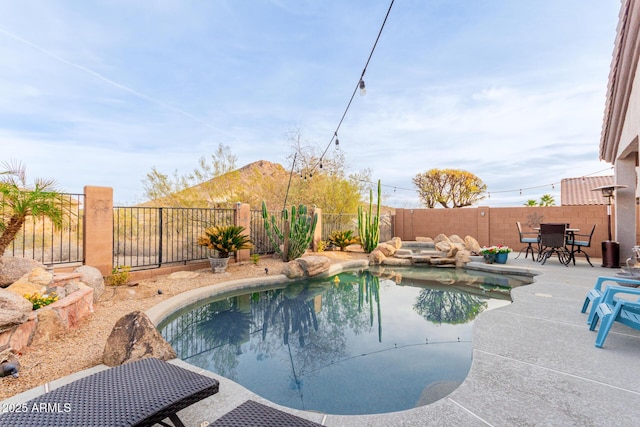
{"points": [[424, 239], [92, 277], [14, 309], [308, 266], [37, 280], [293, 270], [462, 258], [472, 245], [376, 257], [405, 262], [134, 337], [396, 242], [50, 326], [441, 238], [314, 265], [456, 239], [444, 245], [13, 268], [386, 249]]}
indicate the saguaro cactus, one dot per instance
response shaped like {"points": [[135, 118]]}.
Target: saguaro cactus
{"points": [[369, 225]]}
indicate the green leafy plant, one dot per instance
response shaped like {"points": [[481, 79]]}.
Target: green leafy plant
{"points": [[225, 239], [255, 258], [342, 239], [302, 226], [119, 275], [39, 300], [497, 249], [369, 225]]}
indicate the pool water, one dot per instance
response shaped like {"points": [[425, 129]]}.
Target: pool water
{"points": [[361, 342]]}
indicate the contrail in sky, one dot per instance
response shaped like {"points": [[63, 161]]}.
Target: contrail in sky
{"points": [[106, 79]]}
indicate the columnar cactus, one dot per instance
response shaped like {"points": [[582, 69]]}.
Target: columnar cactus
{"points": [[301, 229], [369, 225]]}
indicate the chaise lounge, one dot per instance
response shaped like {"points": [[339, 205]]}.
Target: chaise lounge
{"points": [[140, 393]]}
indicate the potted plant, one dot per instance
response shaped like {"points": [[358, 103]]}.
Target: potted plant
{"points": [[497, 253], [224, 240]]}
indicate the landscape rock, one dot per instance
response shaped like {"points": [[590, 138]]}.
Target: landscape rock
{"points": [[396, 242], [424, 239], [471, 245], [14, 309], [314, 264], [37, 280], [178, 275], [444, 245], [376, 257], [49, 327], [454, 238], [293, 270], [403, 253], [386, 249], [13, 268], [405, 262], [462, 258], [92, 277], [134, 337], [441, 238]]}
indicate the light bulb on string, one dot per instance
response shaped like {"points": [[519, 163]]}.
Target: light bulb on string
{"points": [[337, 140], [320, 165], [553, 186], [363, 90], [521, 192]]}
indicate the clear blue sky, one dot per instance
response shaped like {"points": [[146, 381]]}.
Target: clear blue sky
{"points": [[99, 92]]}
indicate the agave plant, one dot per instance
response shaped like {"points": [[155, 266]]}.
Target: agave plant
{"points": [[225, 239]]}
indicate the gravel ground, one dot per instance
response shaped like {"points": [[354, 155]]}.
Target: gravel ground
{"points": [[82, 348]]}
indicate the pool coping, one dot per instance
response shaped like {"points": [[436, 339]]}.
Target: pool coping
{"points": [[534, 363]]}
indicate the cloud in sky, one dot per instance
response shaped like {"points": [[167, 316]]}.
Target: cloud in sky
{"points": [[98, 93]]}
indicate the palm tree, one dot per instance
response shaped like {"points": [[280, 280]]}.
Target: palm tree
{"points": [[18, 201], [547, 200], [531, 203]]}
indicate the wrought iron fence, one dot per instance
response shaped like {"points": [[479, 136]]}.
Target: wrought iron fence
{"points": [[147, 237], [343, 222], [259, 238], [41, 241]]}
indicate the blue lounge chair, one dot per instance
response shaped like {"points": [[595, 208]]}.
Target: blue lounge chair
{"points": [[595, 295], [613, 309]]}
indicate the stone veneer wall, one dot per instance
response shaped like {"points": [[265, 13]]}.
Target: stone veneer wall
{"points": [[69, 310]]}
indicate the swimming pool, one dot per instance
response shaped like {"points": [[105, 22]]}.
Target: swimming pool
{"points": [[361, 342]]}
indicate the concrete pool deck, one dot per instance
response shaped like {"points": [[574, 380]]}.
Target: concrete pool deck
{"points": [[534, 363]]}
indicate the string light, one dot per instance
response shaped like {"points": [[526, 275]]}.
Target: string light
{"points": [[360, 85]]}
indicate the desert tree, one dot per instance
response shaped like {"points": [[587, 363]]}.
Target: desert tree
{"points": [[449, 188]]}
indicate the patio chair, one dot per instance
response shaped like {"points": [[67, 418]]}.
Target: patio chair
{"points": [[594, 296], [552, 241], [528, 237], [613, 309], [579, 241], [140, 393]]}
